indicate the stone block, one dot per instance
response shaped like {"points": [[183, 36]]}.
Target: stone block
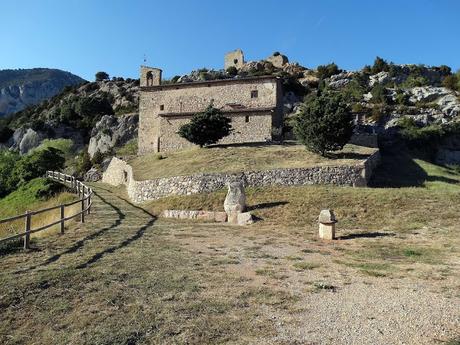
{"points": [[245, 218], [327, 231]]}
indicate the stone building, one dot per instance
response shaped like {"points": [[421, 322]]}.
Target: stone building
{"points": [[252, 104]]}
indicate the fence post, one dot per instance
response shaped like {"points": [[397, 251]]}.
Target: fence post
{"points": [[89, 200], [62, 218], [82, 219], [27, 230]]}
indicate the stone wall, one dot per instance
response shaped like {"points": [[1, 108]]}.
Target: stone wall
{"points": [[139, 191], [247, 127], [163, 108]]}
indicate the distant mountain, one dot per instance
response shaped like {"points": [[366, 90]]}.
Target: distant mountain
{"points": [[23, 87]]}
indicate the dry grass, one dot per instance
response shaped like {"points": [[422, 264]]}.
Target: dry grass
{"points": [[128, 278], [239, 158], [41, 219]]}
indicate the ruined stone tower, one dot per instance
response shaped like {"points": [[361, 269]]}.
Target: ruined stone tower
{"points": [[234, 59]]}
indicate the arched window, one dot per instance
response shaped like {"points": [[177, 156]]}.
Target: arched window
{"points": [[149, 78]]}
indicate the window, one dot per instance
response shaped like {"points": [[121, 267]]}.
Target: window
{"points": [[162, 107], [254, 94], [246, 119], [149, 78], [235, 61]]}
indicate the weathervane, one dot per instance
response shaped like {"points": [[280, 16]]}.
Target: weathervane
{"points": [[145, 58]]}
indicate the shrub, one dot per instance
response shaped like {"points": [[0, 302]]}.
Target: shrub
{"points": [[326, 71], [83, 162], [37, 163], [232, 70], [451, 82], [8, 180], [379, 94], [206, 128], [380, 65], [100, 76], [402, 98], [415, 81], [276, 54], [324, 123]]}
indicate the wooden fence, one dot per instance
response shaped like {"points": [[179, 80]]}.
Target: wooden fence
{"points": [[85, 200]]}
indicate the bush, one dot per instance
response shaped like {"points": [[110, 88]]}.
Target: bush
{"points": [[380, 65], [402, 98], [324, 123], [379, 94], [451, 82], [83, 162], [206, 128], [100, 76], [422, 138], [415, 81], [232, 70], [8, 180], [326, 71], [37, 163]]}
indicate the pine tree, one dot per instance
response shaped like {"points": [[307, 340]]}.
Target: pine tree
{"points": [[324, 123]]}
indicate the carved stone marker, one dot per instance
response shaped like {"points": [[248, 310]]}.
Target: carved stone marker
{"points": [[327, 225], [235, 202]]}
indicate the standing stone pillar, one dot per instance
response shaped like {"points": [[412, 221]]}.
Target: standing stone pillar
{"points": [[327, 225], [235, 202]]}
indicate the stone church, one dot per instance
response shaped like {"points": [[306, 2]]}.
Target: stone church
{"points": [[253, 105]]}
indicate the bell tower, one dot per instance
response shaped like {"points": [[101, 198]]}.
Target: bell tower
{"points": [[150, 76]]}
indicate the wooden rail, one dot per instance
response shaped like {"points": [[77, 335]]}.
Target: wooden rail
{"points": [[85, 199]]}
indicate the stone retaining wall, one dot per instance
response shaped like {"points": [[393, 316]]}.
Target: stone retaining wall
{"points": [[120, 172]]}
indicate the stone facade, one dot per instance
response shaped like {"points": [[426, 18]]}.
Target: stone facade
{"points": [[119, 173], [253, 105], [234, 58]]}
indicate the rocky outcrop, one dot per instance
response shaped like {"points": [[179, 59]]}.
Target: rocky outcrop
{"points": [[22, 88], [93, 175], [112, 131]]}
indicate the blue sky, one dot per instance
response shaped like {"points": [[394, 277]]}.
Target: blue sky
{"points": [[85, 36]]}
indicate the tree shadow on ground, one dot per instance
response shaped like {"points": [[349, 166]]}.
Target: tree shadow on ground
{"points": [[365, 235], [266, 205], [397, 169]]}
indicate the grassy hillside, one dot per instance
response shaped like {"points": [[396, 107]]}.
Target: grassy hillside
{"points": [[32, 196], [240, 158]]}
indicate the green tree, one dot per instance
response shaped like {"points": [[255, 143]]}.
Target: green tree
{"points": [[8, 180], [206, 128], [326, 71], [380, 65], [324, 123], [37, 163], [100, 76]]}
